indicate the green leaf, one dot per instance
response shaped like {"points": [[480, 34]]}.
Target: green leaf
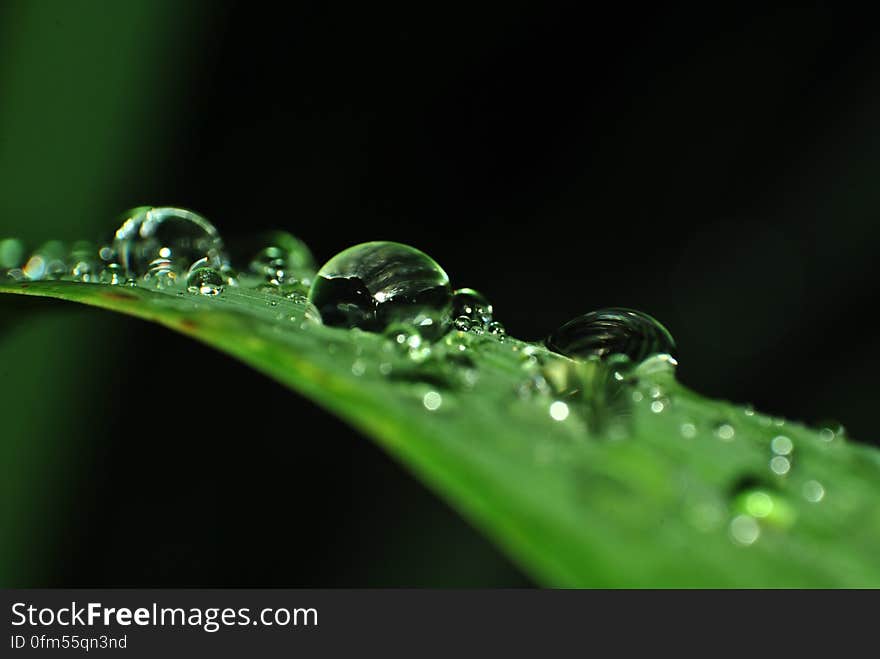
{"points": [[584, 478]]}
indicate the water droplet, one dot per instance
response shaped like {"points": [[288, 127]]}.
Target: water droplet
{"points": [[473, 305], [813, 491], [744, 530], [688, 430], [657, 406], [432, 401], [83, 263], [462, 323], [358, 368], [12, 253], [35, 268], [749, 410], [47, 262], [175, 235], [278, 257], [758, 504], [725, 432], [112, 273], [496, 329], [372, 285], [612, 331], [408, 341], [780, 465], [781, 445], [161, 274], [559, 410], [764, 504], [205, 281]]}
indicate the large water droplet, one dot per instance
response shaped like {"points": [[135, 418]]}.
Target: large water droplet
{"points": [[177, 236], [612, 331], [372, 285]]}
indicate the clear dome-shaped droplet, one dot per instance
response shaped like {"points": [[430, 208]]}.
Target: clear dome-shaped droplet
{"points": [[83, 262], [161, 273], [372, 285], [112, 273], [205, 281], [612, 331], [174, 234], [473, 305], [496, 328], [276, 256]]}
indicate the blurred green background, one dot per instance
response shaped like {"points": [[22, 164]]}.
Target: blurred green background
{"points": [[716, 168]]}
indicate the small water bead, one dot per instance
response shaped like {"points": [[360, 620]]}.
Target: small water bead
{"points": [[112, 273], [373, 285], [759, 504], [176, 235], [83, 262], [432, 401], [462, 323], [813, 491], [205, 281], [559, 411], [496, 329], [612, 331], [473, 305], [780, 465], [765, 504], [781, 445], [407, 340], [744, 530], [725, 431], [688, 430], [831, 430]]}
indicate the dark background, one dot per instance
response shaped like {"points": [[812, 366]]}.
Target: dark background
{"points": [[715, 168]]}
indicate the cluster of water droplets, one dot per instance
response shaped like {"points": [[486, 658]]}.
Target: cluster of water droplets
{"points": [[609, 365], [167, 249]]}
